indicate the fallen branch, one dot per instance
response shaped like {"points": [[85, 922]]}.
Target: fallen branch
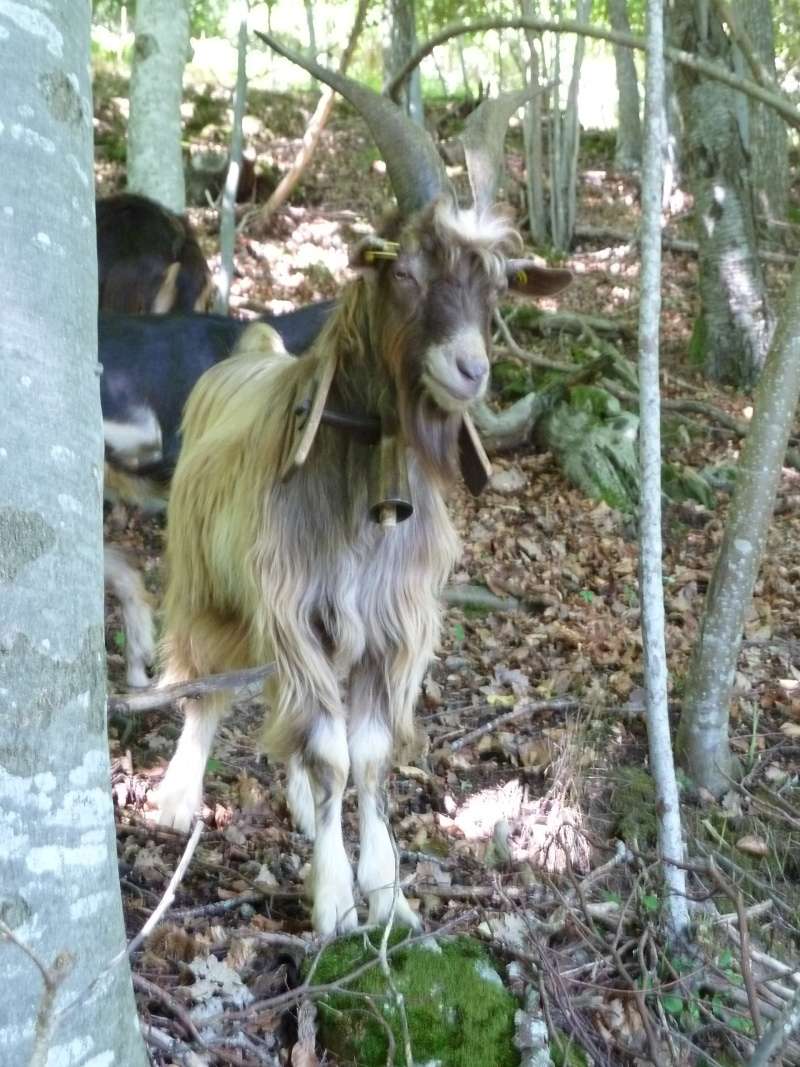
{"points": [[478, 596], [159, 697], [673, 244], [525, 707]]}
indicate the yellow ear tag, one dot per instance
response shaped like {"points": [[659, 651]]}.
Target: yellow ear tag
{"points": [[521, 277]]}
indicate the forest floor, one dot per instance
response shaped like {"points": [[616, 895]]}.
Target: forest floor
{"points": [[507, 828]]}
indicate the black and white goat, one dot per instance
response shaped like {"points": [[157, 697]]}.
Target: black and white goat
{"points": [[274, 558]]}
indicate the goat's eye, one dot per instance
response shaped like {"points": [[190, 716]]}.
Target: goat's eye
{"points": [[402, 276]]}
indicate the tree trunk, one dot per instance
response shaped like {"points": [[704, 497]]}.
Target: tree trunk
{"points": [[628, 152], [564, 145], [227, 214], [534, 148], [402, 42], [312, 32], [703, 732], [672, 125], [768, 142], [733, 329], [64, 973], [155, 160], [662, 764]]}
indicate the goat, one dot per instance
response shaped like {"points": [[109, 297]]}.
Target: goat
{"points": [[272, 551], [148, 258]]}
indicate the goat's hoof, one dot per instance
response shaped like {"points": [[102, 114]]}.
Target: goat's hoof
{"points": [[335, 913], [380, 908]]}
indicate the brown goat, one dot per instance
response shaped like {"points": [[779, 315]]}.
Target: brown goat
{"points": [[270, 561]]}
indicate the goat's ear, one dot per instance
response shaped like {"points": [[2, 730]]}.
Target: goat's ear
{"points": [[164, 299], [370, 251], [529, 279]]}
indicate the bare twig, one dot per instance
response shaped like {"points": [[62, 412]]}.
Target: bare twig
{"points": [[777, 1033], [52, 977], [525, 707], [155, 992], [169, 892], [158, 697]]}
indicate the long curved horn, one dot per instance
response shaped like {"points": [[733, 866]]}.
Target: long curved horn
{"points": [[483, 137], [415, 169]]}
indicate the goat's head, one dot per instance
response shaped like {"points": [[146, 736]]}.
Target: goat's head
{"points": [[439, 270], [437, 282]]}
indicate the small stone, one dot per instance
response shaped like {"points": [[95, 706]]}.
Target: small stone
{"points": [[507, 481]]}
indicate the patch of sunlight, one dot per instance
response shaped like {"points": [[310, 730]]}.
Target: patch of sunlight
{"points": [[546, 831]]}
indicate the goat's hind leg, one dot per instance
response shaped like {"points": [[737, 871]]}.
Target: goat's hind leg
{"points": [[180, 795], [370, 755]]}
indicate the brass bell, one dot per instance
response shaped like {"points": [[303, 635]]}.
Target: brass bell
{"points": [[389, 493]]}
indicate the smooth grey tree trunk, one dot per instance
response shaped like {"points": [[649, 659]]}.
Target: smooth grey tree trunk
{"points": [[564, 145], [703, 732], [533, 141], [161, 47], [402, 43], [768, 142], [227, 220], [628, 151], [662, 764], [734, 326], [59, 891]]}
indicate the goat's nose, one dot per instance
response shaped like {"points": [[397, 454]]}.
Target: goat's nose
{"points": [[472, 368]]}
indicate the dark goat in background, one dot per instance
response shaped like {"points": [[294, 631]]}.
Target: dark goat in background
{"points": [[150, 365], [148, 258], [270, 559]]}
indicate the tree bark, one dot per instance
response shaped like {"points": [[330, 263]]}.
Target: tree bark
{"points": [[402, 42], [734, 325], [564, 148], [534, 149], [155, 160], [768, 141], [628, 151], [63, 1000], [662, 764], [703, 732], [227, 214]]}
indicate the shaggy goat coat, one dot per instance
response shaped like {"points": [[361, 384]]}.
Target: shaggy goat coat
{"points": [[294, 571]]}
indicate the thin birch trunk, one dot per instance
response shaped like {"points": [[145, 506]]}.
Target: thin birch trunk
{"points": [[316, 125], [534, 147], [628, 151], [564, 149], [662, 765], [227, 213], [155, 159], [64, 1001], [704, 723]]}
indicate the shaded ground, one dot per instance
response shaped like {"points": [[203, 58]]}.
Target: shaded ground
{"points": [[507, 834]]}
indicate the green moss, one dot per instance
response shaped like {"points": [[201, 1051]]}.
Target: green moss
{"points": [[633, 802], [510, 380], [698, 343], [459, 1013]]}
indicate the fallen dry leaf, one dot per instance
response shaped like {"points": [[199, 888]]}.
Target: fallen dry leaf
{"points": [[752, 845]]}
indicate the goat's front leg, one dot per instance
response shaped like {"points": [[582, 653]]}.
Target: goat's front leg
{"points": [[370, 755], [180, 794], [328, 765]]}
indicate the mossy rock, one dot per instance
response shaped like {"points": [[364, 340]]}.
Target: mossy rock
{"points": [[459, 1012], [633, 802]]}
